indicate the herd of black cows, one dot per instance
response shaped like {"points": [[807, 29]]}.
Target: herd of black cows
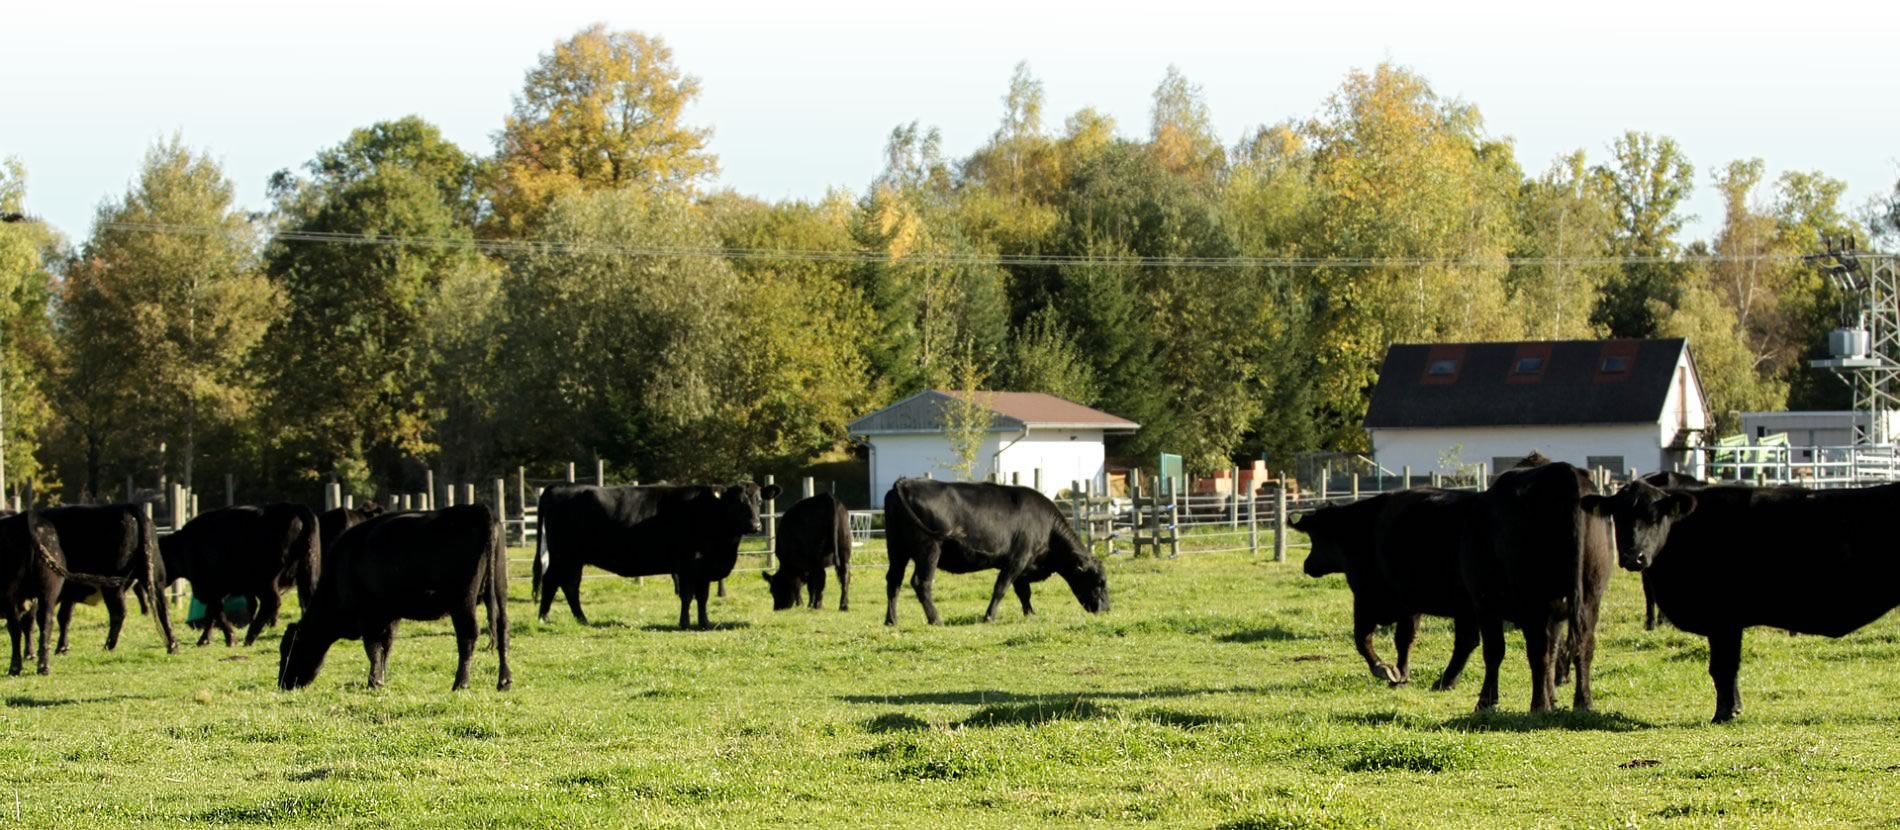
{"points": [[1536, 549]]}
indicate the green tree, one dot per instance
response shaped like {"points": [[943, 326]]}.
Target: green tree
{"points": [[1044, 358], [26, 284], [1181, 134], [174, 266], [967, 415], [1648, 178], [1726, 366], [602, 111], [358, 362], [1565, 222]]}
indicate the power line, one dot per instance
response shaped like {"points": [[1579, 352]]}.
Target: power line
{"points": [[503, 247]]}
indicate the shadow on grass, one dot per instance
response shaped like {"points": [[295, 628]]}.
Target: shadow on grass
{"points": [[31, 702], [985, 697], [1037, 713], [895, 722], [1264, 634], [718, 626], [1558, 720]]}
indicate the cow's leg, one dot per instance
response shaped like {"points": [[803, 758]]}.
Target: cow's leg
{"points": [[1022, 593], [1649, 611], [893, 580], [1725, 663], [1464, 640], [1566, 655], [545, 592], [1540, 650], [265, 614], [685, 594], [1404, 634], [115, 616], [376, 644], [15, 636], [498, 634], [571, 587], [1584, 653], [844, 587], [26, 638], [467, 631], [701, 593], [204, 637], [923, 580], [1491, 632], [815, 587], [1005, 577], [1365, 626], [44, 611], [223, 622], [722, 589], [65, 621]]}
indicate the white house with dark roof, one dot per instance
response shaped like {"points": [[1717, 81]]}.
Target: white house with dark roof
{"points": [[1617, 404], [1028, 431]]}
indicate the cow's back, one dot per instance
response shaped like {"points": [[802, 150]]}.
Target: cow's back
{"points": [[1419, 537]]}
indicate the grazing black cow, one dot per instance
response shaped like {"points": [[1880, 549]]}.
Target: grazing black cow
{"points": [[963, 527], [114, 541], [32, 573], [332, 523], [404, 566], [1717, 560], [813, 535], [1533, 557], [1399, 552], [252, 552], [690, 532]]}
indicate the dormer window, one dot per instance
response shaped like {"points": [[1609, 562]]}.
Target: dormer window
{"points": [[1528, 365], [1443, 368], [1615, 364]]}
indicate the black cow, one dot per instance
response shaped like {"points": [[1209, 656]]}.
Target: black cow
{"points": [[1533, 557], [252, 552], [332, 523], [963, 527], [404, 566], [32, 573], [813, 535], [1717, 560], [114, 541], [1399, 552], [690, 532]]}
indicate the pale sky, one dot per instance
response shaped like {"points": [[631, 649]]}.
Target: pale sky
{"points": [[801, 96]]}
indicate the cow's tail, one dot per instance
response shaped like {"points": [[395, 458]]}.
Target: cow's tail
{"points": [[840, 534], [58, 568], [153, 567], [902, 490], [1580, 556], [540, 566], [306, 556], [497, 589]]}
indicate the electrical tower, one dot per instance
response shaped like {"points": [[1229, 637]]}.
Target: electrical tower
{"points": [[1866, 354]]}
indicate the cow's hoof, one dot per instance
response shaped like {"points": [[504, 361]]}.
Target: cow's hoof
{"points": [[13, 672], [1388, 674], [1486, 706], [1444, 685], [43, 671], [61, 650], [505, 684], [1724, 717]]}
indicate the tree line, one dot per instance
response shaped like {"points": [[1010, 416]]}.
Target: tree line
{"points": [[585, 289]]}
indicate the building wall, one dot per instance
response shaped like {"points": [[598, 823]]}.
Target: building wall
{"points": [[1063, 455], [1421, 449], [1684, 408]]}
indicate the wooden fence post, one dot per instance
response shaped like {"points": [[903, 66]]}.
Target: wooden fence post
{"points": [[521, 497], [771, 525], [1233, 506], [131, 491], [807, 487], [230, 490], [468, 493], [570, 472], [1279, 521], [600, 472], [1407, 483], [349, 501], [1253, 522], [1174, 519], [1355, 485], [1037, 479], [428, 495], [194, 505], [331, 499]]}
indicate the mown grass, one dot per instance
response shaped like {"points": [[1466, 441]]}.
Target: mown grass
{"points": [[1220, 692]]}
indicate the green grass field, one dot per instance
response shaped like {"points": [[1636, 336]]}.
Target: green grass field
{"points": [[1219, 692]]}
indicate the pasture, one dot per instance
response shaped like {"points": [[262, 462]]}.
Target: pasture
{"points": [[1220, 692]]}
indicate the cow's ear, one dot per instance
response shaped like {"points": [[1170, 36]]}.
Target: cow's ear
{"points": [[1596, 505], [770, 491], [1679, 505]]}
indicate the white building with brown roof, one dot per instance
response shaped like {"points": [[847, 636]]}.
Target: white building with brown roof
{"points": [[1028, 432]]}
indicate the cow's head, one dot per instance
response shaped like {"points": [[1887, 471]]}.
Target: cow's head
{"points": [[299, 657], [1088, 578], [1325, 528], [739, 505], [785, 587], [1642, 514]]}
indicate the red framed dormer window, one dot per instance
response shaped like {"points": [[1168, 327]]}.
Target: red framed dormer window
{"points": [[1443, 365], [1616, 361], [1529, 364]]}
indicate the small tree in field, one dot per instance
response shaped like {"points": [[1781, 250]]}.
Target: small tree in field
{"points": [[967, 416]]}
